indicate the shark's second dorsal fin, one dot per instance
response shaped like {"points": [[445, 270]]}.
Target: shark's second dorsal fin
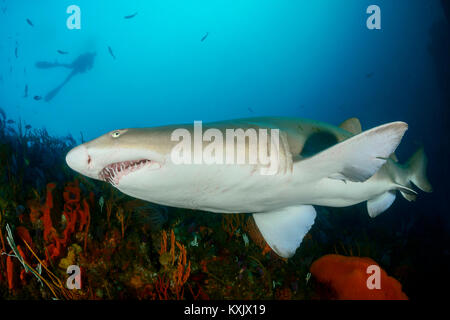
{"points": [[355, 159], [352, 125], [284, 229]]}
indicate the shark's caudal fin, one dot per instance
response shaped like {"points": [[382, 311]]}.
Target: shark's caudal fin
{"points": [[414, 170], [285, 228], [355, 159]]}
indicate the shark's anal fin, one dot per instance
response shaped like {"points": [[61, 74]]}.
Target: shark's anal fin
{"points": [[357, 158], [285, 228], [380, 203]]}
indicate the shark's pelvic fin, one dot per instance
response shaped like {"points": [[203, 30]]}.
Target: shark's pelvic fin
{"points": [[285, 228], [380, 203], [352, 125], [357, 158]]}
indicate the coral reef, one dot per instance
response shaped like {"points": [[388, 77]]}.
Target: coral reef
{"points": [[52, 218]]}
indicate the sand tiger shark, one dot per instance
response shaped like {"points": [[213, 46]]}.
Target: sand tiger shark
{"points": [[320, 164]]}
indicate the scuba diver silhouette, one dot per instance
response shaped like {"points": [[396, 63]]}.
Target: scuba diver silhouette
{"points": [[81, 64]]}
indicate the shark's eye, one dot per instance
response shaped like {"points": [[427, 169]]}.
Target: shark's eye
{"points": [[115, 134]]}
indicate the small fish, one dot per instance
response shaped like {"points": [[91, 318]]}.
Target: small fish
{"points": [[308, 276], [101, 202], [27, 127], [245, 238], [370, 74], [16, 51], [10, 121], [130, 16], [111, 53], [30, 23], [37, 98], [62, 52], [250, 109], [205, 36], [194, 243], [26, 91]]}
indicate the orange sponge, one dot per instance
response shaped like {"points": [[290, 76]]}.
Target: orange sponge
{"points": [[351, 277]]}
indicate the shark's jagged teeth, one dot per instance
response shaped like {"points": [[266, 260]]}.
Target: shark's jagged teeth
{"points": [[113, 172]]}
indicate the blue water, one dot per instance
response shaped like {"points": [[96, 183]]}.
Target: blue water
{"points": [[311, 59], [293, 58]]}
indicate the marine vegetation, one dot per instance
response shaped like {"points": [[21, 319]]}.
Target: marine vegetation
{"points": [[52, 218]]}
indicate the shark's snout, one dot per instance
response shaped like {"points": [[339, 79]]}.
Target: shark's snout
{"points": [[78, 159]]}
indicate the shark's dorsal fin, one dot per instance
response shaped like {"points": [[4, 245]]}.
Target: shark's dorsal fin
{"points": [[355, 159], [284, 229], [352, 125]]}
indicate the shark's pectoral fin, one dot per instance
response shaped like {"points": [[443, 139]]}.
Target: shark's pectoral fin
{"points": [[355, 159], [285, 228], [380, 203]]}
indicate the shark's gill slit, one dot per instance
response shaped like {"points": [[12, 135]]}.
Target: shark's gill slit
{"points": [[113, 172]]}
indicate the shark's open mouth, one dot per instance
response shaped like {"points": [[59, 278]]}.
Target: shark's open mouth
{"points": [[113, 172]]}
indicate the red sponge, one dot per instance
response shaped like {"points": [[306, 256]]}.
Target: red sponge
{"points": [[349, 278]]}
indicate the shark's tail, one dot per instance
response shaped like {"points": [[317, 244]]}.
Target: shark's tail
{"points": [[404, 175], [414, 170]]}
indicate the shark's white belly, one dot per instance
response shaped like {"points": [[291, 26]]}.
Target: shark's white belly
{"points": [[241, 189]]}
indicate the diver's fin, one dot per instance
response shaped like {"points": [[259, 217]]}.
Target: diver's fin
{"points": [[352, 125], [48, 65], [285, 228], [45, 65], [49, 96], [380, 203], [355, 159]]}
